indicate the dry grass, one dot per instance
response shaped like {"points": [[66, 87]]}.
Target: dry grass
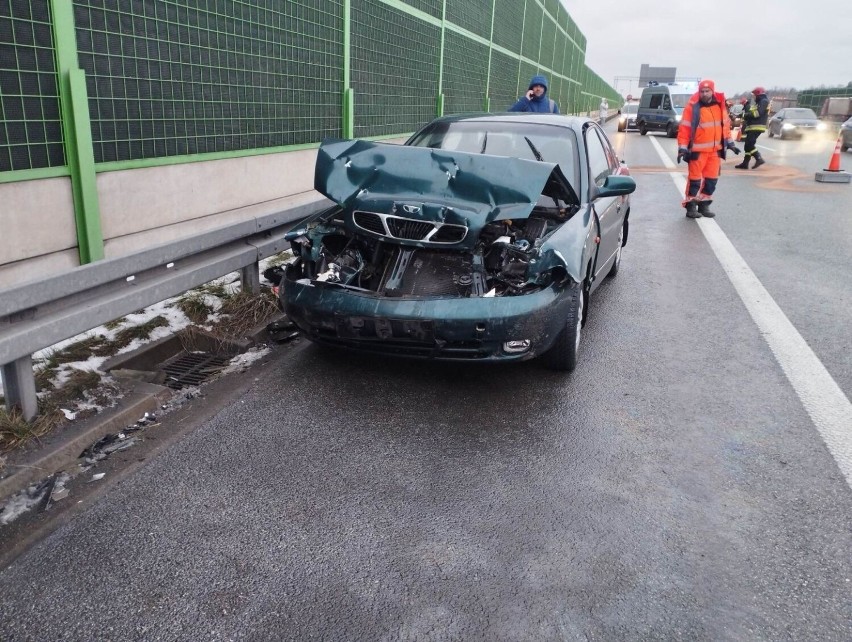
{"points": [[79, 381], [243, 311], [142, 331], [15, 431], [78, 351], [216, 289], [115, 323], [194, 307]]}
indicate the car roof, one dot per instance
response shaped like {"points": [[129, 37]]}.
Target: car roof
{"points": [[559, 120]]}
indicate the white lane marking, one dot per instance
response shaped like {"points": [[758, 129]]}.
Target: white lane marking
{"points": [[769, 149], [822, 398]]}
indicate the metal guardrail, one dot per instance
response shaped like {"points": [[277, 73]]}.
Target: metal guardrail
{"points": [[40, 313]]}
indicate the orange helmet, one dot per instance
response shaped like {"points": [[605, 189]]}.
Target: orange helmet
{"points": [[757, 91]]}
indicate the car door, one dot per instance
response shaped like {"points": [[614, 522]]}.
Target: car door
{"points": [[603, 163]]}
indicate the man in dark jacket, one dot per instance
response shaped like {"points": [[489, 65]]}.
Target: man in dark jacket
{"points": [[754, 124], [536, 99]]}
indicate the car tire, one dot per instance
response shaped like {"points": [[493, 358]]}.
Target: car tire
{"points": [[671, 130], [781, 135], [771, 133], [562, 355], [616, 265], [642, 129], [844, 147], [621, 128]]}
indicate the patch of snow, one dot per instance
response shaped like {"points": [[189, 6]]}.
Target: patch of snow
{"points": [[31, 497], [244, 360]]}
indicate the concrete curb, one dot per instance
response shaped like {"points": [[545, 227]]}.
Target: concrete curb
{"points": [[65, 449], [57, 453]]}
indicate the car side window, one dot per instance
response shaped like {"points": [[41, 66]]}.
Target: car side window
{"points": [[656, 101], [667, 104], [599, 159]]}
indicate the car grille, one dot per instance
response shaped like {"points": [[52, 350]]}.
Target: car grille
{"points": [[406, 228], [409, 229]]}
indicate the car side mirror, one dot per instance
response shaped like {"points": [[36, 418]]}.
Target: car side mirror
{"points": [[615, 186]]}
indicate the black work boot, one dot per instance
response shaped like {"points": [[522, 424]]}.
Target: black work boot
{"points": [[758, 160], [704, 209], [744, 164], [692, 210]]}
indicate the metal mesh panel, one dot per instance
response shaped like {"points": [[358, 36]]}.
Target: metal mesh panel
{"points": [[503, 87], [432, 7], [548, 37], [508, 17], [532, 31], [394, 69], [465, 74], [173, 78], [30, 126], [475, 16]]}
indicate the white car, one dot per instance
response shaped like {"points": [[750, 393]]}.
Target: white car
{"points": [[627, 116]]}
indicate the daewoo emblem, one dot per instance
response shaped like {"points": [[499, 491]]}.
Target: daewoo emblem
{"points": [[411, 209]]}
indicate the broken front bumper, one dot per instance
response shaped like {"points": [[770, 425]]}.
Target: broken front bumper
{"points": [[458, 329]]}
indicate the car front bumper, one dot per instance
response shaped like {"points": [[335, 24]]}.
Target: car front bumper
{"points": [[454, 329]]}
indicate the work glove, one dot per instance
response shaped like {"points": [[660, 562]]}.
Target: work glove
{"points": [[682, 154], [734, 149]]}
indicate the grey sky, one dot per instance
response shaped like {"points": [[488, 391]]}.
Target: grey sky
{"points": [[781, 43]]}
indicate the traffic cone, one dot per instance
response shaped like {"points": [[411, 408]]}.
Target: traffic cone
{"points": [[834, 163], [833, 173]]}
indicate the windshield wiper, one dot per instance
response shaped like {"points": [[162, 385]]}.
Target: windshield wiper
{"points": [[535, 152], [484, 143]]}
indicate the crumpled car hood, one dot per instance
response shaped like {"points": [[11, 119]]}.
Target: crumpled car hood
{"points": [[435, 185]]}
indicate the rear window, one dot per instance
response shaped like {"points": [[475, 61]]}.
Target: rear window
{"points": [[800, 113], [554, 144]]}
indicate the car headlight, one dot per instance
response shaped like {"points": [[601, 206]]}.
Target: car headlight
{"points": [[821, 127], [622, 119], [678, 117], [516, 346], [788, 126]]}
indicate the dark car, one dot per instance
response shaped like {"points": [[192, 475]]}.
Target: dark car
{"points": [[846, 135], [627, 116], [794, 122], [480, 239]]}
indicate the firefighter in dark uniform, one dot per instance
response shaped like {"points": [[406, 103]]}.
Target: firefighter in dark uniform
{"points": [[755, 115]]}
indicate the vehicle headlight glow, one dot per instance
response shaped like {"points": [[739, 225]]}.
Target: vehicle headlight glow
{"points": [[821, 127], [678, 117], [788, 126]]}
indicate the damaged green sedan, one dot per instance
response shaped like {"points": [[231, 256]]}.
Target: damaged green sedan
{"points": [[480, 239]]}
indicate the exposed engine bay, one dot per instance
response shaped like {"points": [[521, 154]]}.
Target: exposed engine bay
{"points": [[497, 265], [420, 222]]}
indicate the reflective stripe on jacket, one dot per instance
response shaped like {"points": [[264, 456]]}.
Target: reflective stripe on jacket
{"points": [[756, 114], [705, 128]]}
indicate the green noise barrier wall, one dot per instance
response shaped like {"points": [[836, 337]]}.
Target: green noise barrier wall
{"points": [[167, 80]]}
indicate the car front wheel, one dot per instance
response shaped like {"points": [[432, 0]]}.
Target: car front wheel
{"points": [[562, 356], [642, 129], [771, 133]]}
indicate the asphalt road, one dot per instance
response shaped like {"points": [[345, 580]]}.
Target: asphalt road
{"points": [[673, 487]]}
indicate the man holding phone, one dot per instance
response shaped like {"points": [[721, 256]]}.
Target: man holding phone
{"points": [[536, 100]]}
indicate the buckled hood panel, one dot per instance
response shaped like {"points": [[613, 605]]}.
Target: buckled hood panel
{"points": [[435, 185]]}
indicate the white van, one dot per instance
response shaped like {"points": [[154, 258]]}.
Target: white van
{"points": [[661, 107]]}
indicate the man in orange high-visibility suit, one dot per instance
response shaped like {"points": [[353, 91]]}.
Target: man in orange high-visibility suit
{"points": [[703, 138]]}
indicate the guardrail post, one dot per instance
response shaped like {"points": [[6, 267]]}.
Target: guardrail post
{"points": [[250, 278], [19, 387]]}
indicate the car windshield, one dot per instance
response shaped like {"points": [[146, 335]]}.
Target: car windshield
{"points": [[630, 108], [551, 144], [679, 100], [800, 113]]}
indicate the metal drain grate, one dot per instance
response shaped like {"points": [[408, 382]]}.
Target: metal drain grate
{"points": [[192, 368]]}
